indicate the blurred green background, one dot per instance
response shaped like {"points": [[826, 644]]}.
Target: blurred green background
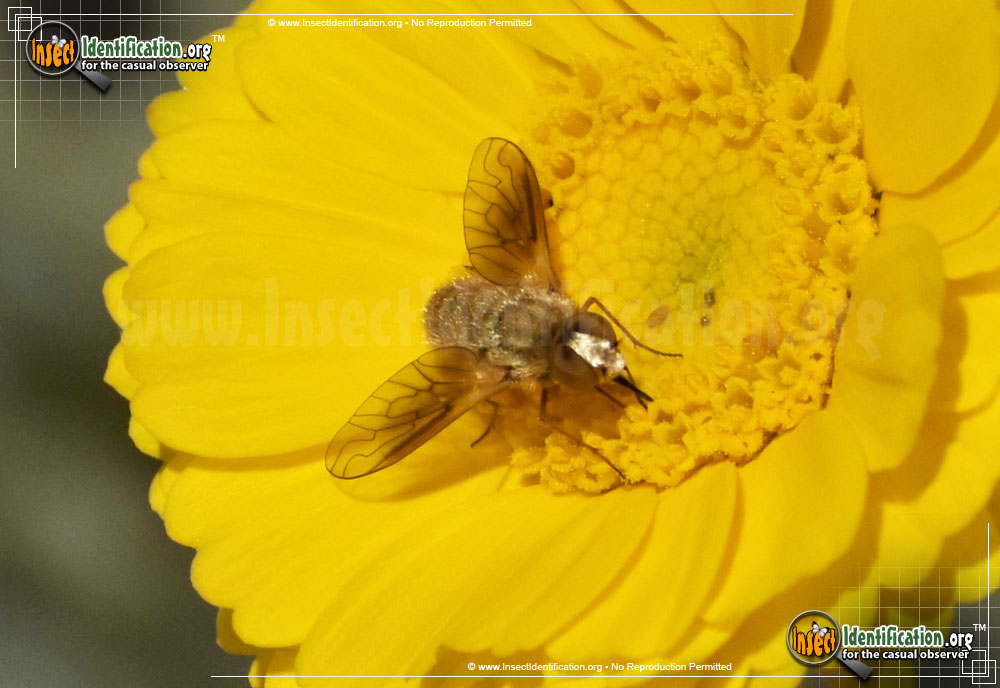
{"points": [[93, 593]]}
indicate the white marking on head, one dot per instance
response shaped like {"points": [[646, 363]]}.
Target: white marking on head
{"points": [[598, 352]]}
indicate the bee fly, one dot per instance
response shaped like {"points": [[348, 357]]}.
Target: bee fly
{"points": [[507, 323]]}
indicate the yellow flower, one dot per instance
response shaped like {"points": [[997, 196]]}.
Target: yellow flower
{"points": [[804, 206]]}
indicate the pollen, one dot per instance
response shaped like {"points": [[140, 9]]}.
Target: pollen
{"points": [[718, 217]]}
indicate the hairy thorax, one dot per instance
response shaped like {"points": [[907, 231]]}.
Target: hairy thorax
{"points": [[511, 327]]}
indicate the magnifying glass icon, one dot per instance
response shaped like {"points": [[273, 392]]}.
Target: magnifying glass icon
{"points": [[820, 642], [53, 48]]}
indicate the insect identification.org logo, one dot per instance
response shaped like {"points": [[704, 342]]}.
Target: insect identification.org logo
{"points": [[54, 54], [53, 48], [813, 638]]}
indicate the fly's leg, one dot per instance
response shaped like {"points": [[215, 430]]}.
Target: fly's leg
{"points": [[616, 402], [543, 404], [621, 475], [493, 419], [541, 416]]}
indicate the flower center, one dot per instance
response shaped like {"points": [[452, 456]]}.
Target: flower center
{"points": [[717, 218]]}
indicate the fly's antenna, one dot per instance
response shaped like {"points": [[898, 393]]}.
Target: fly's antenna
{"points": [[592, 301]]}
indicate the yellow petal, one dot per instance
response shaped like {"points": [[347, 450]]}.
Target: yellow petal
{"points": [[802, 502], [164, 481], [758, 644], [969, 367], [176, 109], [465, 58], [655, 604], [147, 168], [348, 106], [226, 636], [212, 94], [573, 35], [885, 361], [953, 456], [353, 204], [223, 72], [255, 676], [536, 596], [144, 439], [977, 253], [819, 54], [973, 559], [121, 230], [857, 602], [772, 660], [505, 576], [694, 23], [704, 642], [117, 374], [241, 341], [114, 300], [633, 30], [844, 589], [769, 37], [277, 667], [244, 519], [959, 204], [262, 163], [908, 81]]}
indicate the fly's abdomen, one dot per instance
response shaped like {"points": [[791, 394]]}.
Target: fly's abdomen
{"points": [[506, 323], [464, 313]]}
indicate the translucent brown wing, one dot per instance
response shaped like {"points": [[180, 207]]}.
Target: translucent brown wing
{"points": [[409, 408], [504, 218]]}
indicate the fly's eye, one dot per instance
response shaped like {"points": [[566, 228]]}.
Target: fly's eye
{"points": [[596, 326], [570, 369]]}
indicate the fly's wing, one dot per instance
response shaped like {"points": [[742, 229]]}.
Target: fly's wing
{"points": [[504, 218], [408, 409]]}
